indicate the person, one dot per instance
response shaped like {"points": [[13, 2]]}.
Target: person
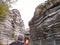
{"points": [[19, 41], [26, 41]]}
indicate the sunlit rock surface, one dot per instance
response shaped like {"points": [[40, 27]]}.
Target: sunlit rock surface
{"points": [[45, 24], [11, 26]]}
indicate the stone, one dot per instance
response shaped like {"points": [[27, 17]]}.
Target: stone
{"points": [[46, 23], [12, 25]]}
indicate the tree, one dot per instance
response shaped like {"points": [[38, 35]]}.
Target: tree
{"points": [[3, 9], [4, 6]]}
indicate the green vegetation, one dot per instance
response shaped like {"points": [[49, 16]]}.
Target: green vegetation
{"points": [[3, 9], [13, 37]]}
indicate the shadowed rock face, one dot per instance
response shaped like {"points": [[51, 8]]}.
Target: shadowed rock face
{"points": [[45, 24]]}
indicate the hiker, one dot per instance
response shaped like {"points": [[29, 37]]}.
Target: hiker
{"points": [[19, 41], [26, 41]]}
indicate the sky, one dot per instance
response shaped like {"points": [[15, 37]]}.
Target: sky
{"points": [[27, 8]]}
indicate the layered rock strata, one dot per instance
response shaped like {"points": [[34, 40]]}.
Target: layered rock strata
{"points": [[45, 24]]}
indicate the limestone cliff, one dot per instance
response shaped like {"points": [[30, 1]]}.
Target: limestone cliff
{"points": [[11, 26], [45, 24]]}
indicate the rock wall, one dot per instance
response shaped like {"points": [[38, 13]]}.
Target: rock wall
{"points": [[45, 24], [10, 26]]}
